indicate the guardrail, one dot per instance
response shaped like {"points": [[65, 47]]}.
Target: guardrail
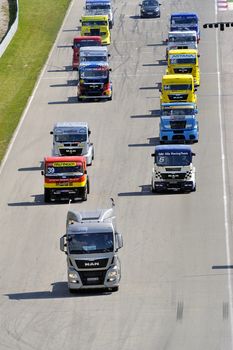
{"points": [[10, 34]]}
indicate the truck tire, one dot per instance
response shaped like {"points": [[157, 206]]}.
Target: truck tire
{"points": [[46, 195], [72, 291], [152, 188], [88, 186], [84, 194]]}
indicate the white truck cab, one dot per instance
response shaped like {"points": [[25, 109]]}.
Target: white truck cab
{"points": [[93, 54], [72, 139], [178, 40]]}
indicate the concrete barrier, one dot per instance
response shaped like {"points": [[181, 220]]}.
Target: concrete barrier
{"points": [[10, 34]]}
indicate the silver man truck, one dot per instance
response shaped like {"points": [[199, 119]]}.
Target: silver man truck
{"points": [[72, 139], [179, 40], [91, 243], [173, 169]]}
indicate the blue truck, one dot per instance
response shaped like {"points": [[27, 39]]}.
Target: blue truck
{"points": [[178, 123], [185, 21]]}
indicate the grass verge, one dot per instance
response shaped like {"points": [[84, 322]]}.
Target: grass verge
{"points": [[21, 64]]}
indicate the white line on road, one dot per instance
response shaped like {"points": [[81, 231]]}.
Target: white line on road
{"points": [[225, 199], [32, 96]]}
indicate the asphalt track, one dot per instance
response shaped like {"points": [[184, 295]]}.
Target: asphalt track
{"points": [[176, 288]]}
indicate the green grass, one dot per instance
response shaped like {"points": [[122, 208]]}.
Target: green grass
{"points": [[21, 64]]}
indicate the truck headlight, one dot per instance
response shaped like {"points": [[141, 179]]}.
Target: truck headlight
{"points": [[112, 274], [73, 276]]}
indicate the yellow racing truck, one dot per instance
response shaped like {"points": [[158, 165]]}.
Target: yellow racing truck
{"points": [[184, 61], [177, 88], [96, 25]]}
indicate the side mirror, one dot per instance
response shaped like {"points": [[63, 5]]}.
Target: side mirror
{"points": [[140, 5], [110, 69], [152, 154], [42, 172], [51, 132], [119, 241], [89, 132], [193, 154], [198, 55], [85, 172], [109, 55], [72, 46], [80, 21], [160, 90], [196, 111], [63, 244], [195, 89]]}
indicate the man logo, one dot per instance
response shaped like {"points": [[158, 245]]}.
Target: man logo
{"points": [[91, 264]]}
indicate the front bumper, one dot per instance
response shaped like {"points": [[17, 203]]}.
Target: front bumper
{"points": [[150, 14], [161, 186], [179, 136]]}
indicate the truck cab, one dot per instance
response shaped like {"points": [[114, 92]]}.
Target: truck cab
{"points": [[184, 61], [94, 82], [173, 169], [177, 88], [82, 41], [91, 244], [65, 178], [185, 21], [96, 25], [89, 55], [100, 7], [72, 139], [178, 40], [178, 123]]}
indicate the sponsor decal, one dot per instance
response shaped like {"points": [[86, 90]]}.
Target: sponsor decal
{"points": [[64, 164]]}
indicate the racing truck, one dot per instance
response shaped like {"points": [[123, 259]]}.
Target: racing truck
{"points": [[185, 21], [94, 82], [178, 123], [173, 169], [91, 244], [184, 61], [178, 40], [65, 178], [96, 25], [72, 139], [100, 7], [83, 41], [178, 88]]}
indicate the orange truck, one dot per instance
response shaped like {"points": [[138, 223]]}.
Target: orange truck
{"points": [[65, 178]]}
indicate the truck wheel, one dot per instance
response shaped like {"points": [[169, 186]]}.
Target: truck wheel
{"points": [[72, 291], [46, 195], [194, 189], [88, 186], [84, 196], [153, 188], [93, 155], [79, 99]]}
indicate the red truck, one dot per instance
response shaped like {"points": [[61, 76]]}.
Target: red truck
{"points": [[81, 41], [65, 178]]}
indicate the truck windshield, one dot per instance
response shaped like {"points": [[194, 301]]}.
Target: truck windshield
{"points": [[98, 6], [94, 23], [84, 43], [90, 243], [93, 74], [173, 158], [178, 87], [70, 138], [185, 60], [93, 59], [66, 167], [183, 20], [176, 39], [177, 111]]}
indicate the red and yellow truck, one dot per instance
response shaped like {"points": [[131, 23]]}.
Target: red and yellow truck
{"points": [[65, 178]]}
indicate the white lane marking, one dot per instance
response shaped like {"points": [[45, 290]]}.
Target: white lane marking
{"points": [[225, 199], [33, 94]]}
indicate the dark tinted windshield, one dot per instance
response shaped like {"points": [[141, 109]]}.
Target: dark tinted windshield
{"points": [[84, 43], [178, 87], [186, 60], [98, 6], [93, 74], [176, 39], [170, 158], [177, 112], [93, 59], [184, 20], [94, 23], [65, 167], [71, 138], [150, 3], [90, 243]]}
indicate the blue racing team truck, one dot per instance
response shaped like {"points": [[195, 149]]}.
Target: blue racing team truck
{"points": [[185, 21], [178, 123]]}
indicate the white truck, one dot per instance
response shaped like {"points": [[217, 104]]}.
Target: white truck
{"points": [[72, 139], [96, 54], [178, 40], [173, 169], [91, 243]]}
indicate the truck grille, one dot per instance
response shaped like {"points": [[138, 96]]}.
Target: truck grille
{"points": [[71, 151], [178, 97], [93, 89], [178, 124], [89, 278], [182, 47], [183, 70], [178, 138], [91, 264], [95, 32], [171, 176]]}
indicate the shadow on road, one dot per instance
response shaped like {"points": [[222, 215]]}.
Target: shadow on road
{"points": [[145, 191], [68, 84], [154, 114], [61, 69], [59, 290], [153, 141]]}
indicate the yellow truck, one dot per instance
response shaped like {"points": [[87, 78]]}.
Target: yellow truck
{"points": [[184, 61], [96, 25], [177, 88]]}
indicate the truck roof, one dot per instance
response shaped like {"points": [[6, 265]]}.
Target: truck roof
{"points": [[64, 159], [78, 228], [70, 125], [183, 33], [94, 65], [93, 50], [184, 14], [98, 1], [177, 148], [177, 78], [178, 105], [183, 52], [94, 18], [86, 38]]}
